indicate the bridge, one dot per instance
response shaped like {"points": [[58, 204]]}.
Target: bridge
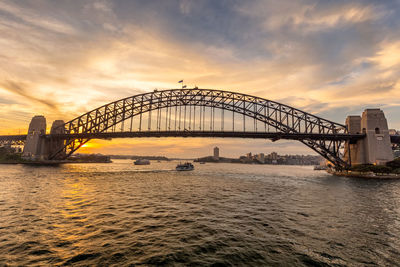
{"points": [[206, 113]]}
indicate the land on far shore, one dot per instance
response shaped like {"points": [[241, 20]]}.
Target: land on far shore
{"points": [[9, 155], [135, 157], [273, 158], [217, 160]]}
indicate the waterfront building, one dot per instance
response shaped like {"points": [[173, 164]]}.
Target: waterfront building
{"points": [[274, 156], [261, 157]]}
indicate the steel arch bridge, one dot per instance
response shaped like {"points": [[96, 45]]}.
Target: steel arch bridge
{"points": [[202, 113]]}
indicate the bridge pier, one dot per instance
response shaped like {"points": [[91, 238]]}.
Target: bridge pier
{"points": [[35, 146], [375, 148], [56, 145], [38, 148]]}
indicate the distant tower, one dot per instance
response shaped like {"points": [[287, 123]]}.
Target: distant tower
{"points": [[216, 153]]}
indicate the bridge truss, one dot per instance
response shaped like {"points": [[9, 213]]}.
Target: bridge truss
{"points": [[202, 112], [12, 140]]}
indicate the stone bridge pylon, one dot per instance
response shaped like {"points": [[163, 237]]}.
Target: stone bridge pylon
{"points": [[375, 147], [38, 148]]}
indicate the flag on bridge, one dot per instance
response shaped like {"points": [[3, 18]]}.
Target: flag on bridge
{"points": [[181, 81]]}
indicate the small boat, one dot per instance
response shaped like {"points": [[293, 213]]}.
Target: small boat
{"points": [[142, 162], [187, 166]]}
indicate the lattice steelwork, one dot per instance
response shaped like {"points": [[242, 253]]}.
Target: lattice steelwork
{"points": [[203, 112], [12, 140]]}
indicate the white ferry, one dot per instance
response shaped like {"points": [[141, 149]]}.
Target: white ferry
{"points": [[187, 166]]}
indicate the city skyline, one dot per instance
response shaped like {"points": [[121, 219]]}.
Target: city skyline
{"points": [[331, 59]]}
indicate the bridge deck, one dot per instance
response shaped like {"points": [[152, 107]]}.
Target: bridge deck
{"points": [[256, 135], [20, 137], [226, 134]]}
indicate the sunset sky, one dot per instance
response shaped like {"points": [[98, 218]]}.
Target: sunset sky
{"points": [[330, 58]]}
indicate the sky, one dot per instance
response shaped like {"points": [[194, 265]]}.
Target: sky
{"points": [[330, 58]]}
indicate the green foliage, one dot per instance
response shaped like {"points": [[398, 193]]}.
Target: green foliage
{"points": [[381, 169], [7, 157], [394, 164], [3, 151], [362, 168], [371, 168]]}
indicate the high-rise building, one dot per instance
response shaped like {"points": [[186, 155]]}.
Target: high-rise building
{"points": [[216, 153], [261, 157]]}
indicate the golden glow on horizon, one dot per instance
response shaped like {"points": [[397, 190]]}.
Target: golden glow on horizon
{"points": [[90, 146]]}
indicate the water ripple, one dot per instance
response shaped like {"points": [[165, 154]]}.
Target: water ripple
{"points": [[218, 215]]}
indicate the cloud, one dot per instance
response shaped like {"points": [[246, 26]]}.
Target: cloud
{"points": [[21, 90], [310, 16], [34, 19], [388, 57], [185, 7]]}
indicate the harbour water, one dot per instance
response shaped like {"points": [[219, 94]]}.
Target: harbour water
{"points": [[219, 214]]}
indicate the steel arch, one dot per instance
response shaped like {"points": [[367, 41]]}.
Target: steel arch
{"points": [[282, 118]]}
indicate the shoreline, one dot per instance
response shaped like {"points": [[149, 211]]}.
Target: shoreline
{"points": [[51, 162], [367, 175]]}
